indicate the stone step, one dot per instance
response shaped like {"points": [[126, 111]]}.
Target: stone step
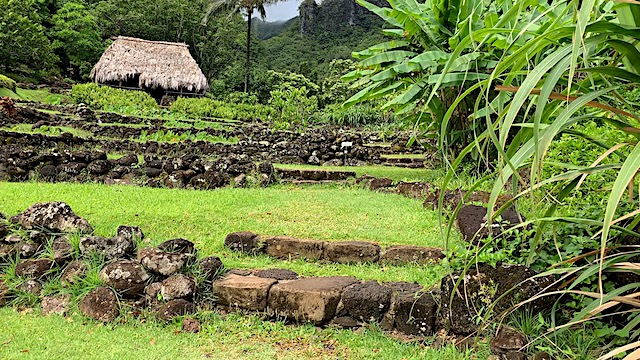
{"points": [[314, 175], [343, 252]]}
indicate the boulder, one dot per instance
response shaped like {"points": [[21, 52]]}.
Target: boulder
{"points": [[100, 304], [26, 249], [4, 292], [349, 252], [160, 262], [174, 308], [415, 314], [34, 269], [416, 190], [507, 340], [127, 277], [48, 172], [179, 246], [99, 167], [178, 287], [398, 290], [313, 299], [132, 233], [190, 325], [367, 301], [472, 222], [211, 267], [32, 287], [408, 254], [111, 248], [284, 247], [62, 250], [7, 251], [483, 285], [74, 271], [57, 304], [244, 242], [53, 216], [278, 274], [128, 160], [377, 184], [245, 292]]}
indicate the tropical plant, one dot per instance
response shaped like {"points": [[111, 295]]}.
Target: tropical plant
{"points": [[234, 7], [539, 72]]}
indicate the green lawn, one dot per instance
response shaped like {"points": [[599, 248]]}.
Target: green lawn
{"points": [[205, 217]]}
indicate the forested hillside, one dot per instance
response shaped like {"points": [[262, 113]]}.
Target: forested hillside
{"points": [[67, 37]]}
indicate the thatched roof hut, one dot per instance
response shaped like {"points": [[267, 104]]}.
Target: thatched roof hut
{"points": [[150, 65]]}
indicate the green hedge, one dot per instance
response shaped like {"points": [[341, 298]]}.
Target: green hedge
{"points": [[111, 99], [205, 107], [7, 83]]}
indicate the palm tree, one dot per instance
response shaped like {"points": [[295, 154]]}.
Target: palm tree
{"points": [[233, 7]]}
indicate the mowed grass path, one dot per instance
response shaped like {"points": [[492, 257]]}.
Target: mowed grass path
{"points": [[321, 212]]}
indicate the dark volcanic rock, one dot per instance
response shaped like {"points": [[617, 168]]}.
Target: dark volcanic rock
{"points": [[125, 276], [132, 233], [377, 184], [173, 308], [34, 269], [62, 250], [366, 302], [483, 285], [4, 293], [99, 167], [348, 252], [244, 241], [284, 247], [74, 271], [278, 274], [112, 248], [161, 262], [100, 304], [179, 246], [406, 254], [211, 267], [191, 326], [48, 173], [472, 222], [57, 304], [27, 249], [31, 286], [178, 287], [53, 216], [128, 160], [507, 340], [416, 315]]}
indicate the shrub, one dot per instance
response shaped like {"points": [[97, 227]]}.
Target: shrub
{"points": [[7, 83], [356, 115], [293, 104], [111, 99], [205, 107]]}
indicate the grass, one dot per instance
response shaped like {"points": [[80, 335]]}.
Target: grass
{"points": [[205, 217], [8, 93], [236, 336], [433, 176], [321, 212]]}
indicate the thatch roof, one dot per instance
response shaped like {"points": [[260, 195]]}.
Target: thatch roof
{"points": [[159, 64]]}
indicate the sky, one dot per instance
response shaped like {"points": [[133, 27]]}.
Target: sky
{"points": [[284, 10]]}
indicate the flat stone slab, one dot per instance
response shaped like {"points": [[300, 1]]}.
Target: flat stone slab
{"points": [[246, 292], [314, 175], [285, 247], [314, 299], [472, 222], [348, 252], [407, 254]]}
